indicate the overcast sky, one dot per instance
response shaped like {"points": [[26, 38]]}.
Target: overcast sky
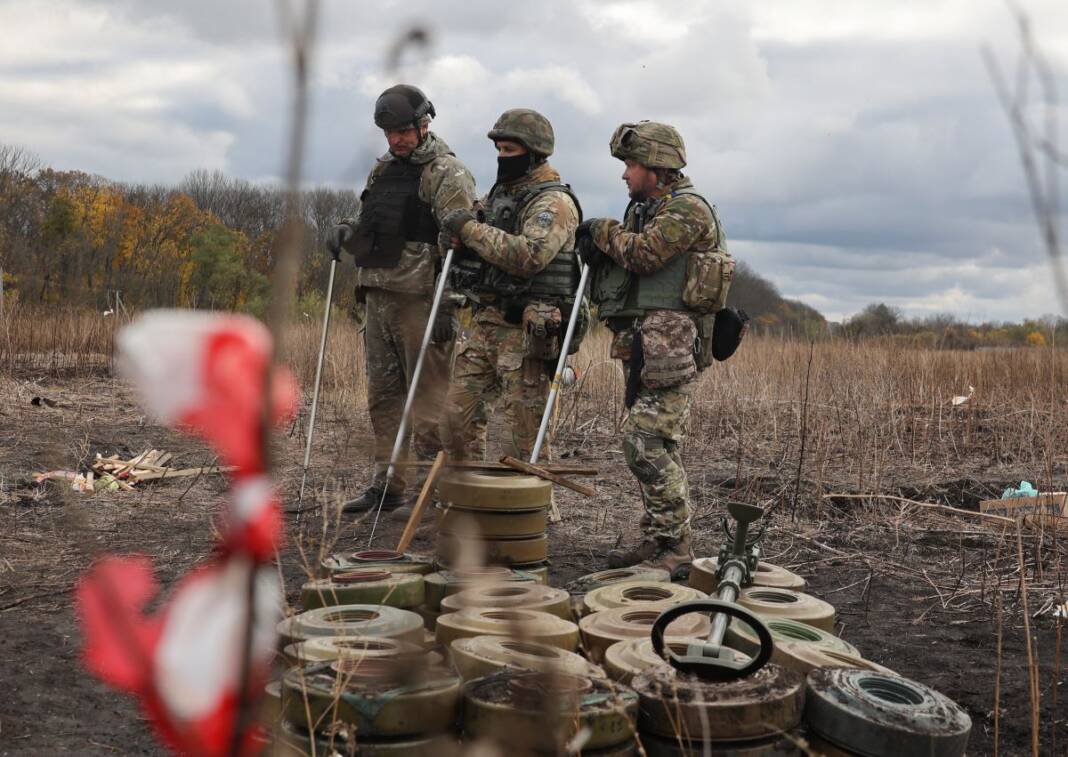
{"points": [[854, 148]]}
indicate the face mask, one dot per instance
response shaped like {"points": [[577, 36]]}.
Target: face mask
{"points": [[512, 167]]}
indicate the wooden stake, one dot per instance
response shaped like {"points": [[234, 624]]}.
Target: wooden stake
{"points": [[570, 470], [420, 504], [548, 475]]}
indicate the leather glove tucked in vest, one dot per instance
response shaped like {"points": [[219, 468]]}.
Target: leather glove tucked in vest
{"points": [[338, 236], [444, 328], [455, 220], [588, 252]]}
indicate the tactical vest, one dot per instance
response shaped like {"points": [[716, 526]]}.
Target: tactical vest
{"points": [[485, 282], [619, 293], [391, 215]]}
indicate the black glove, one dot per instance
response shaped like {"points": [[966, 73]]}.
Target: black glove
{"points": [[444, 240], [339, 235], [455, 220], [444, 328], [588, 252]]}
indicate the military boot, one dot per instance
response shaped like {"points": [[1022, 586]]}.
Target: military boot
{"points": [[369, 500], [673, 555], [647, 549]]}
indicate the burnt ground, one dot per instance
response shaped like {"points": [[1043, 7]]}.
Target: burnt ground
{"points": [[916, 592]]}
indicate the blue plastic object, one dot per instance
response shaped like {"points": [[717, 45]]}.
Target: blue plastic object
{"points": [[1025, 489]]}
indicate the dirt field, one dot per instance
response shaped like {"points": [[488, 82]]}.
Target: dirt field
{"points": [[937, 597]]}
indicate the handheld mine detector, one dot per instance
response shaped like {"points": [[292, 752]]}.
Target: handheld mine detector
{"points": [[402, 430], [561, 364], [738, 560], [335, 256]]}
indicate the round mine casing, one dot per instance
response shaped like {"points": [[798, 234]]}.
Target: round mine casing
{"points": [[740, 636], [365, 586], [443, 583], [601, 630], [767, 703], [378, 559], [352, 620], [514, 623], [478, 656], [492, 524], [380, 698], [526, 596], [625, 659], [784, 603], [591, 581], [880, 714], [637, 594], [536, 711], [703, 576], [291, 741], [494, 491], [493, 551]]}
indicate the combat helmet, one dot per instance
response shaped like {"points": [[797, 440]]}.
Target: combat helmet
{"points": [[654, 145], [528, 127], [401, 106]]}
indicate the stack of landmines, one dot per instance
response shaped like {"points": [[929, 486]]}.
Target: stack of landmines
{"points": [[396, 658], [494, 518]]}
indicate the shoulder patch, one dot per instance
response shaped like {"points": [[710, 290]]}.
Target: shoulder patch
{"points": [[545, 218]]}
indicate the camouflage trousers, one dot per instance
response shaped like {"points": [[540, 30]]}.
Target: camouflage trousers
{"points": [[490, 365], [652, 433], [393, 334]]}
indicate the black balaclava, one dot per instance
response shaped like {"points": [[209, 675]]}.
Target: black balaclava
{"points": [[514, 166]]}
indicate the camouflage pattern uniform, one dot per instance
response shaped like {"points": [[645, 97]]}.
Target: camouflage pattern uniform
{"points": [[494, 360], [653, 237], [398, 306]]}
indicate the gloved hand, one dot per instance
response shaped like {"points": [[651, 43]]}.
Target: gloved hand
{"points": [[447, 240], [338, 236], [455, 220], [444, 328], [588, 252]]}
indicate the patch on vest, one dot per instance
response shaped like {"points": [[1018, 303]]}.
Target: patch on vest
{"points": [[544, 218]]}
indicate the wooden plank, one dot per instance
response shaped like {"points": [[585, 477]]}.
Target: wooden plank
{"points": [[548, 475], [169, 473], [1050, 504], [420, 504], [475, 465]]}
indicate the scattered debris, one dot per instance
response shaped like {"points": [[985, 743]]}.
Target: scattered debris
{"points": [[960, 399], [44, 402], [113, 473]]}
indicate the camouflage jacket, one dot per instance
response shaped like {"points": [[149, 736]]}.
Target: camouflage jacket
{"points": [[546, 227], [673, 225], [446, 185]]}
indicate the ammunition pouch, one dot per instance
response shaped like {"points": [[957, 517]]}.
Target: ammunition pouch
{"points": [[667, 340]]}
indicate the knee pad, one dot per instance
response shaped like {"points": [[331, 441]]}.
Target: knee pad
{"points": [[646, 455]]}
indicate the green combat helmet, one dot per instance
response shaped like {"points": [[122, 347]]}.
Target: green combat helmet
{"points": [[526, 126], [652, 144]]}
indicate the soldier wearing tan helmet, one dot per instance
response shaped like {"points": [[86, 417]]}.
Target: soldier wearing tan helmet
{"points": [[518, 272], [394, 242], [658, 278]]}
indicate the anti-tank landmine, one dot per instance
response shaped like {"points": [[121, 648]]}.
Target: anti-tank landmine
{"points": [[718, 691]]}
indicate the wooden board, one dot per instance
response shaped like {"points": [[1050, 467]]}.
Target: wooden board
{"points": [[1046, 503]]}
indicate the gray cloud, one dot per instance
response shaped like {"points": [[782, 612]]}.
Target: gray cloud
{"points": [[855, 150]]}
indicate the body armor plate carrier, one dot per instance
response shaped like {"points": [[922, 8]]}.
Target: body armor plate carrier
{"points": [[484, 282], [392, 215]]}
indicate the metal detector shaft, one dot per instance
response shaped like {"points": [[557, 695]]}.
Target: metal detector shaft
{"points": [[318, 381], [402, 430], [561, 363]]}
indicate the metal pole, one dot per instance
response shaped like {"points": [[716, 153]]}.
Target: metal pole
{"points": [[318, 381], [410, 399], [561, 363]]}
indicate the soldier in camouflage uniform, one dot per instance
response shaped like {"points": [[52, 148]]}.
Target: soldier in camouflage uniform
{"points": [[394, 241], [639, 274], [519, 272]]}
